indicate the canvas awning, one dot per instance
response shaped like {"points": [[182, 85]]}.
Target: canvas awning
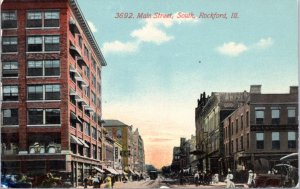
{"points": [[75, 140], [112, 171], [98, 169], [84, 144]]}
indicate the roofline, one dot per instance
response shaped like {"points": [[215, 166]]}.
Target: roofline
{"points": [[86, 29]]}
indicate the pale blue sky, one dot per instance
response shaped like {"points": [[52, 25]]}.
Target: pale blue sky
{"points": [[153, 81]]}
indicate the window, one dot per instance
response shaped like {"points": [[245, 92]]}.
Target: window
{"points": [[52, 116], [94, 151], [94, 133], [52, 67], [275, 141], [35, 92], [34, 19], [35, 116], [259, 140], [80, 41], [236, 144], [35, 44], [99, 102], [242, 143], [259, 115], [291, 115], [43, 68], [86, 52], [94, 64], [242, 121], [248, 140], [119, 133], [87, 91], [9, 19], [93, 98], [41, 117], [51, 19], [236, 126], [10, 117], [98, 88], [275, 115], [51, 43], [87, 128], [10, 93], [87, 71], [9, 44], [232, 128], [247, 119], [52, 92], [99, 153], [93, 80], [291, 139], [10, 69]]}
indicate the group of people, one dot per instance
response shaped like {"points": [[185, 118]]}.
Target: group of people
{"points": [[107, 181], [205, 178]]}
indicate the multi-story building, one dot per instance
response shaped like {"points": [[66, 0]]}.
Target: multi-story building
{"points": [[123, 134], [181, 157], [209, 114], [261, 130], [117, 157], [51, 76], [138, 154], [193, 157]]}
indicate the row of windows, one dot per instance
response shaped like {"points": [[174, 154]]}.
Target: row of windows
{"points": [[34, 92], [34, 19], [35, 116], [239, 143], [275, 115], [34, 43]]}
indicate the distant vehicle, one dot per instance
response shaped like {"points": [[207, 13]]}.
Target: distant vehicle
{"points": [[153, 175], [285, 174]]}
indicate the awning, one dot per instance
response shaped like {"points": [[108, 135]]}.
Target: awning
{"points": [[74, 117], [82, 101], [72, 69], [130, 171], [88, 108], [84, 144], [75, 140], [98, 169], [112, 171]]}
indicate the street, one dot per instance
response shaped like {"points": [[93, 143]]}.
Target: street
{"points": [[158, 183]]}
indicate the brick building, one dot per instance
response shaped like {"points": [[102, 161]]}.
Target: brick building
{"points": [[51, 77], [209, 114], [263, 129]]}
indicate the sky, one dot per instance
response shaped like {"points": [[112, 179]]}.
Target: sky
{"points": [[157, 67]]}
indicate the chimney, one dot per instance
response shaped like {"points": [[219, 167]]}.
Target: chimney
{"points": [[255, 89], [293, 89]]}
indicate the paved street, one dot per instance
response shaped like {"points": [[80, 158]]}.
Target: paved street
{"points": [[159, 184]]}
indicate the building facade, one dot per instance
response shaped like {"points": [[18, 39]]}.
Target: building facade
{"points": [[51, 76], [209, 114], [138, 154], [261, 130]]}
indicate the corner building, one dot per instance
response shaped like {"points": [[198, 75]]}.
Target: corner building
{"points": [[51, 77]]}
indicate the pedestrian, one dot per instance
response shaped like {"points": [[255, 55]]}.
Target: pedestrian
{"points": [[113, 180], [228, 180], [85, 182], [196, 178], [107, 182], [181, 177]]}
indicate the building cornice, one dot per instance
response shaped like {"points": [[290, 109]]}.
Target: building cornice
{"points": [[86, 29]]}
